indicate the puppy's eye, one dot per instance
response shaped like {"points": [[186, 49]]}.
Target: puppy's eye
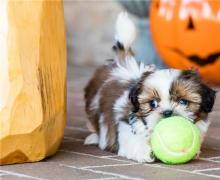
{"points": [[153, 104], [183, 102]]}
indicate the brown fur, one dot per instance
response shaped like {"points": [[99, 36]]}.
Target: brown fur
{"points": [[144, 95], [110, 92], [91, 89], [123, 54], [189, 86], [188, 90]]}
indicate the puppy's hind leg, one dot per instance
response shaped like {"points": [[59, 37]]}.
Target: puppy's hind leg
{"points": [[92, 139]]}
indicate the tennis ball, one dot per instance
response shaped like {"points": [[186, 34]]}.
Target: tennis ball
{"points": [[175, 140]]}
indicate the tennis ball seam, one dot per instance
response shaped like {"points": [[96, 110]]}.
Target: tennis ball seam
{"points": [[176, 153]]}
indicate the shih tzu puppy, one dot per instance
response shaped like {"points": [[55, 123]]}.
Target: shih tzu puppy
{"points": [[125, 99]]}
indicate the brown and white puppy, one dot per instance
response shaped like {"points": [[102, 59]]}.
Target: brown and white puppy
{"points": [[126, 99]]}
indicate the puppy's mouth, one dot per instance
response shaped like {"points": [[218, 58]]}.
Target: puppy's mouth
{"points": [[210, 59]]}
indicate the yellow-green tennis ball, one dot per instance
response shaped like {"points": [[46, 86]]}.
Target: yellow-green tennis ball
{"points": [[175, 140]]}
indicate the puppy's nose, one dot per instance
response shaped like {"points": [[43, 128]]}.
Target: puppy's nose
{"points": [[167, 113]]}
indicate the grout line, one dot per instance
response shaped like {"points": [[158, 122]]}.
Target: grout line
{"points": [[210, 175], [151, 165], [108, 178], [185, 171], [211, 158], [208, 169], [84, 154], [216, 112], [74, 118], [3, 174], [100, 157], [121, 160], [115, 174], [213, 137], [77, 128], [104, 173], [110, 156], [73, 139], [20, 175], [110, 165]]}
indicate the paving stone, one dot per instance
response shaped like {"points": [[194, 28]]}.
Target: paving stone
{"points": [[208, 153], [77, 122], [213, 130], [80, 147], [119, 158], [76, 133], [216, 159], [152, 173], [1, 173], [194, 165], [11, 177], [211, 143], [54, 171], [212, 172], [79, 159]]}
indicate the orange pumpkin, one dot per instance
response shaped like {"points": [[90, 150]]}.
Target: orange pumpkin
{"points": [[186, 34]]}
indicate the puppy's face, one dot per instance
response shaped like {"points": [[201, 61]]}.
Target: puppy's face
{"points": [[169, 92]]}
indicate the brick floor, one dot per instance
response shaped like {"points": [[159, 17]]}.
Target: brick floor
{"points": [[76, 161]]}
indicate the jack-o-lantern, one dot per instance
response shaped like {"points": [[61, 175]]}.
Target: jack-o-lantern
{"points": [[186, 34]]}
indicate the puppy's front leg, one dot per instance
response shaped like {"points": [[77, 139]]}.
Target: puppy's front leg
{"points": [[134, 142], [138, 125]]}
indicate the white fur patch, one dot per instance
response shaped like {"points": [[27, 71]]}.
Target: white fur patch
{"points": [[185, 113], [203, 127], [162, 80], [131, 146], [125, 30], [119, 106], [139, 128], [92, 139], [95, 101], [130, 69], [103, 133]]}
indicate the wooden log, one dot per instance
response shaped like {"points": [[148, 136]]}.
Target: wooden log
{"points": [[32, 79]]}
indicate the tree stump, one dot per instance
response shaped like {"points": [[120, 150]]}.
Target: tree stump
{"points": [[32, 79]]}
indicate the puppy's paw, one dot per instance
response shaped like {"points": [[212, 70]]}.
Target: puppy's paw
{"points": [[141, 153], [146, 156], [197, 155], [138, 128]]}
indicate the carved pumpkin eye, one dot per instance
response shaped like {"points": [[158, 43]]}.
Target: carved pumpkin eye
{"points": [[157, 4], [190, 25]]}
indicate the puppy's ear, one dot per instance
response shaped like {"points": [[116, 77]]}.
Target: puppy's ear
{"points": [[191, 74], [207, 94], [133, 96], [208, 98]]}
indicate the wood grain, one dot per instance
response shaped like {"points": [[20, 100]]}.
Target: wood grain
{"points": [[32, 79]]}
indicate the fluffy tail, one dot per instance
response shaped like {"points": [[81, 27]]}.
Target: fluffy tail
{"points": [[124, 35]]}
